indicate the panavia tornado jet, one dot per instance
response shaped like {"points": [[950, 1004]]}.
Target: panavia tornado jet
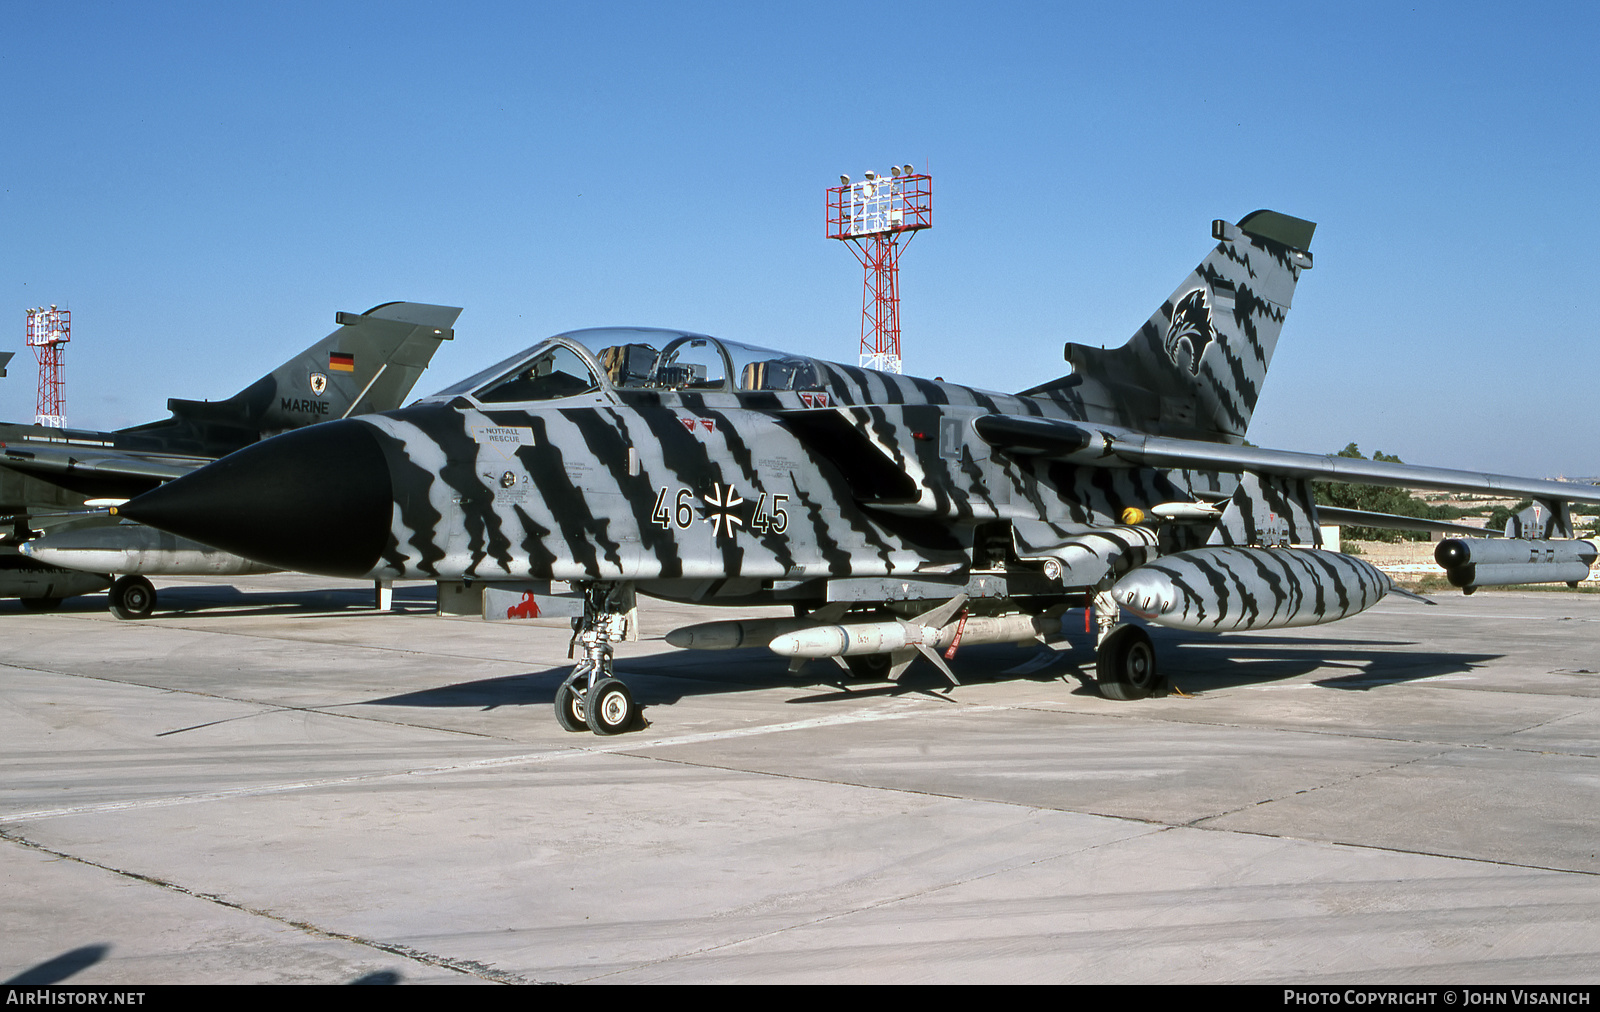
{"points": [[900, 517], [49, 478]]}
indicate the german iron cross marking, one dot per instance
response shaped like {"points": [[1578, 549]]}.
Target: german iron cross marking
{"points": [[720, 510]]}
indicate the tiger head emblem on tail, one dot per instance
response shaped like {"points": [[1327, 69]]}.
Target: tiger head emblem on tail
{"points": [[1191, 322]]}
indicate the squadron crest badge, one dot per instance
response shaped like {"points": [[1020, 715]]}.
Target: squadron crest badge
{"points": [[1191, 324], [319, 383]]}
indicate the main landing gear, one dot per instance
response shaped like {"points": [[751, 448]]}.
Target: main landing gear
{"points": [[1124, 657], [592, 698], [133, 597]]}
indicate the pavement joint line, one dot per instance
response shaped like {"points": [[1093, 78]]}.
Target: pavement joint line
{"points": [[1547, 721], [527, 758], [462, 966], [627, 748], [330, 710], [1324, 732], [1153, 830], [1383, 848], [1444, 749], [1351, 778], [327, 710], [1197, 825]]}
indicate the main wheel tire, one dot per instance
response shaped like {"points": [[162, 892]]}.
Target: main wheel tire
{"points": [[41, 603], [133, 597], [610, 708], [871, 667], [569, 709], [1125, 664]]}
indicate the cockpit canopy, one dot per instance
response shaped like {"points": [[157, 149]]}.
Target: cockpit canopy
{"points": [[587, 361]]}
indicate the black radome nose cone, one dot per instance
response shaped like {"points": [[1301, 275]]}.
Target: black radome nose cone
{"points": [[316, 500]]}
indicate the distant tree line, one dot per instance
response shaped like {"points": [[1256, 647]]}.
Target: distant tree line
{"points": [[1383, 499], [1380, 499]]}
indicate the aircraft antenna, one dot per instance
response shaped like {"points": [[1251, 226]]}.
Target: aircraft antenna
{"points": [[48, 332], [872, 217]]}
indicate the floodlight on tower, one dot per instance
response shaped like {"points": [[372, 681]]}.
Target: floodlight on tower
{"points": [[873, 216], [48, 332]]}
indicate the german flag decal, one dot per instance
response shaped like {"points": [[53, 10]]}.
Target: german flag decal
{"points": [[338, 361]]}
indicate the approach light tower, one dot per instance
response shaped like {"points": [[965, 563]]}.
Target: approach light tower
{"points": [[48, 330], [872, 216]]}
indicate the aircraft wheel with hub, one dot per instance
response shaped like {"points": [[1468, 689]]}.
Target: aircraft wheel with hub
{"points": [[569, 709], [1125, 664], [610, 708], [872, 667], [133, 597]]}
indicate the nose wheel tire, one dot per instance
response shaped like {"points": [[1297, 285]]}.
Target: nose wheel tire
{"points": [[1125, 664], [133, 597], [609, 708], [569, 709]]}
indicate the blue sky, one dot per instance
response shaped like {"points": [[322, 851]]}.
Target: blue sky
{"points": [[204, 185]]}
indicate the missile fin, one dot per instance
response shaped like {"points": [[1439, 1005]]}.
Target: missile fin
{"points": [[900, 659], [939, 663], [939, 617], [829, 614]]}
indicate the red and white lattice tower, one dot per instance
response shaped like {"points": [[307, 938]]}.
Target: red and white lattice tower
{"points": [[48, 331], [872, 216]]}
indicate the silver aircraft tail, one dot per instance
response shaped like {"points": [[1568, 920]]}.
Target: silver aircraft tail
{"points": [[1195, 369]]}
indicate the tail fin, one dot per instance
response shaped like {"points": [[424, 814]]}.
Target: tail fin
{"points": [[369, 364], [1195, 369]]}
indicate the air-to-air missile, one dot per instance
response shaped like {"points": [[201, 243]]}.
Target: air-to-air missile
{"points": [[890, 635], [736, 634], [898, 517], [945, 628]]}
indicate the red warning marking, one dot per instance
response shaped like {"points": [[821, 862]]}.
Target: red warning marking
{"points": [[526, 608]]}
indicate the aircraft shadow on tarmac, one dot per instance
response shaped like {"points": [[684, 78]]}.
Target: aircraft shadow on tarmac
{"points": [[1198, 664], [671, 676], [59, 968], [227, 601]]}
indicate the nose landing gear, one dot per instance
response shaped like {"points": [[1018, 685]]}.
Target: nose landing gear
{"points": [[592, 698]]}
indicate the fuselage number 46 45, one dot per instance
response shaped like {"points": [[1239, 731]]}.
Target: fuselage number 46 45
{"points": [[679, 509]]}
